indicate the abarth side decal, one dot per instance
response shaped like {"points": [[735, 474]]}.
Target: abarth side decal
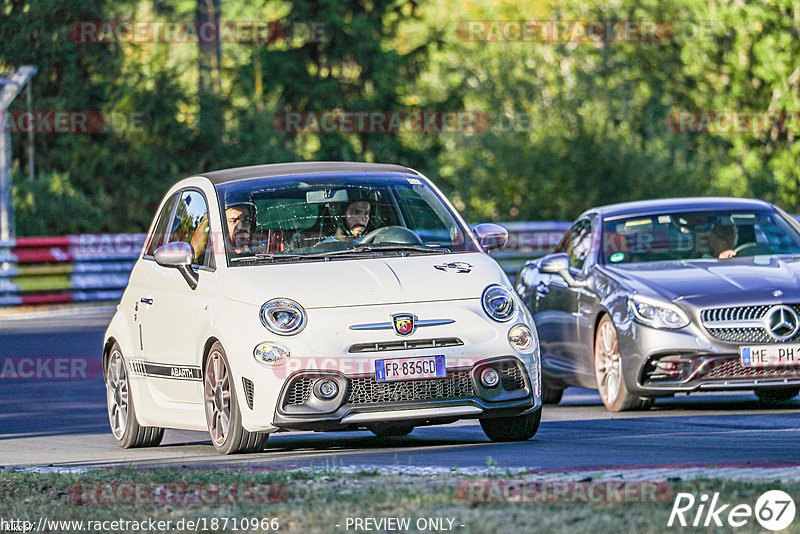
{"points": [[159, 370]]}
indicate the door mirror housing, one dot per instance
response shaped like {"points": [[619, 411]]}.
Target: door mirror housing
{"points": [[178, 255], [554, 264], [491, 236], [559, 264]]}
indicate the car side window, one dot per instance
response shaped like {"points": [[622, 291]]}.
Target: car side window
{"points": [[577, 243], [156, 239], [190, 225]]}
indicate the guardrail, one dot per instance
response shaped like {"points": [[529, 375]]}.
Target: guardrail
{"points": [[82, 268], [527, 240], [76, 268]]}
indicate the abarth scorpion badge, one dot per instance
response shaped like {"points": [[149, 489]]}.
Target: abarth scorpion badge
{"points": [[404, 324]]}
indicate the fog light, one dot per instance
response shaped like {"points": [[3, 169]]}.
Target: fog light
{"points": [[269, 353], [489, 377], [520, 337], [326, 389]]}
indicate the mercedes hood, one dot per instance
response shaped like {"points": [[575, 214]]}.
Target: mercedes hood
{"points": [[706, 281]]}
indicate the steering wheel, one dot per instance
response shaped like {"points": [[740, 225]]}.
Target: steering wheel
{"points": [[392, 234], [752, 249]]}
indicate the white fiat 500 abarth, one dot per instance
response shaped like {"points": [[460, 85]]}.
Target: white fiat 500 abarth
{"points": [[317, 296]]}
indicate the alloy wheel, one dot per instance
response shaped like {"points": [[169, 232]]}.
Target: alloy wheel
{"points": [[117, 394], [217, 389], [607, 362]]}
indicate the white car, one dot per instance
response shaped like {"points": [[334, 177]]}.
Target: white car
{"points": [[317, 296]]}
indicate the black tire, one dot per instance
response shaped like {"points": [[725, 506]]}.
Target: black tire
{"points": [[385, 430], [777, 394], [234, 440], [551, 394], [127, 431], [516, 428]]}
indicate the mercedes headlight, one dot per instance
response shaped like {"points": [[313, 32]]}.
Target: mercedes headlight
{"points": [[283, 316], [498, 303], [657, 313]]}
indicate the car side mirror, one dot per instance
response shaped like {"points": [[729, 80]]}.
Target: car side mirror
{"points": [[558, 263], [554, 263], [178, 255], [491, 236]]}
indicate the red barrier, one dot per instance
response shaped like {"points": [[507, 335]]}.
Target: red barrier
{"points": [[43, 241]]}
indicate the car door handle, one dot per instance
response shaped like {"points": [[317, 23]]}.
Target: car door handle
{"points": [[146, 300], [542, 290]]}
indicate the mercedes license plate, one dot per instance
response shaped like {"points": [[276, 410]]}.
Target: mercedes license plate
{"points": [[770, 355], [410, 368]]}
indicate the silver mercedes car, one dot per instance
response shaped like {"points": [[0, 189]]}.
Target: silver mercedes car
{"points": [[646, 299]]}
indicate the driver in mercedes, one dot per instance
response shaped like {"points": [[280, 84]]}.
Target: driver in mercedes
{"points": [[721, 240]]}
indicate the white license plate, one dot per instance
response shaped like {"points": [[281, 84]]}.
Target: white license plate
{"points": [[410, 368], [770, 355]]}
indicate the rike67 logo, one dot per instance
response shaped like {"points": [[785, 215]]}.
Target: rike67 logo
{"points": [[774, 510]]}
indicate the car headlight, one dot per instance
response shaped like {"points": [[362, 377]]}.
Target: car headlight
{"points": [[270, 353], [498, 303], [283, 316], [657, 313], [520, 337]]}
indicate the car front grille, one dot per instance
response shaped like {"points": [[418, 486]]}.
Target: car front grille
{"points": [[299, 391], [511, 376], [366, 390], [411, 344], [725, 324], [732, 368], [678, 368], [363, 390], [741, 335], [737, 313]]}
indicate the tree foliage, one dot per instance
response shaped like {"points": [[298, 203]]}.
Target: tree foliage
{"points": [[570, 124]]}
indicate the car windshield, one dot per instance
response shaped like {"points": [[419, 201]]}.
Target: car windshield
{"points": [[330, 216], [697, 235]]}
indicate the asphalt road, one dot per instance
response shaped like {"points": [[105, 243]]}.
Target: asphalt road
{"points": [[57, 417]]}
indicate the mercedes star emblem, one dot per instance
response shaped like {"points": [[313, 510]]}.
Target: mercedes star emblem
{"points": [[782, 322]]}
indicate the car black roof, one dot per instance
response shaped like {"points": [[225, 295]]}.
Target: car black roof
{"points": [[646, 207], [291, 169]]}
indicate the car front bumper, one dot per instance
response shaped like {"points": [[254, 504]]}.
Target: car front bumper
{"points": [[362, 400], [662, 362]]}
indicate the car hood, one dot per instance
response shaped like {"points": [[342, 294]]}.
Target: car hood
{"points": [[361, 282], [701, 281]]}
